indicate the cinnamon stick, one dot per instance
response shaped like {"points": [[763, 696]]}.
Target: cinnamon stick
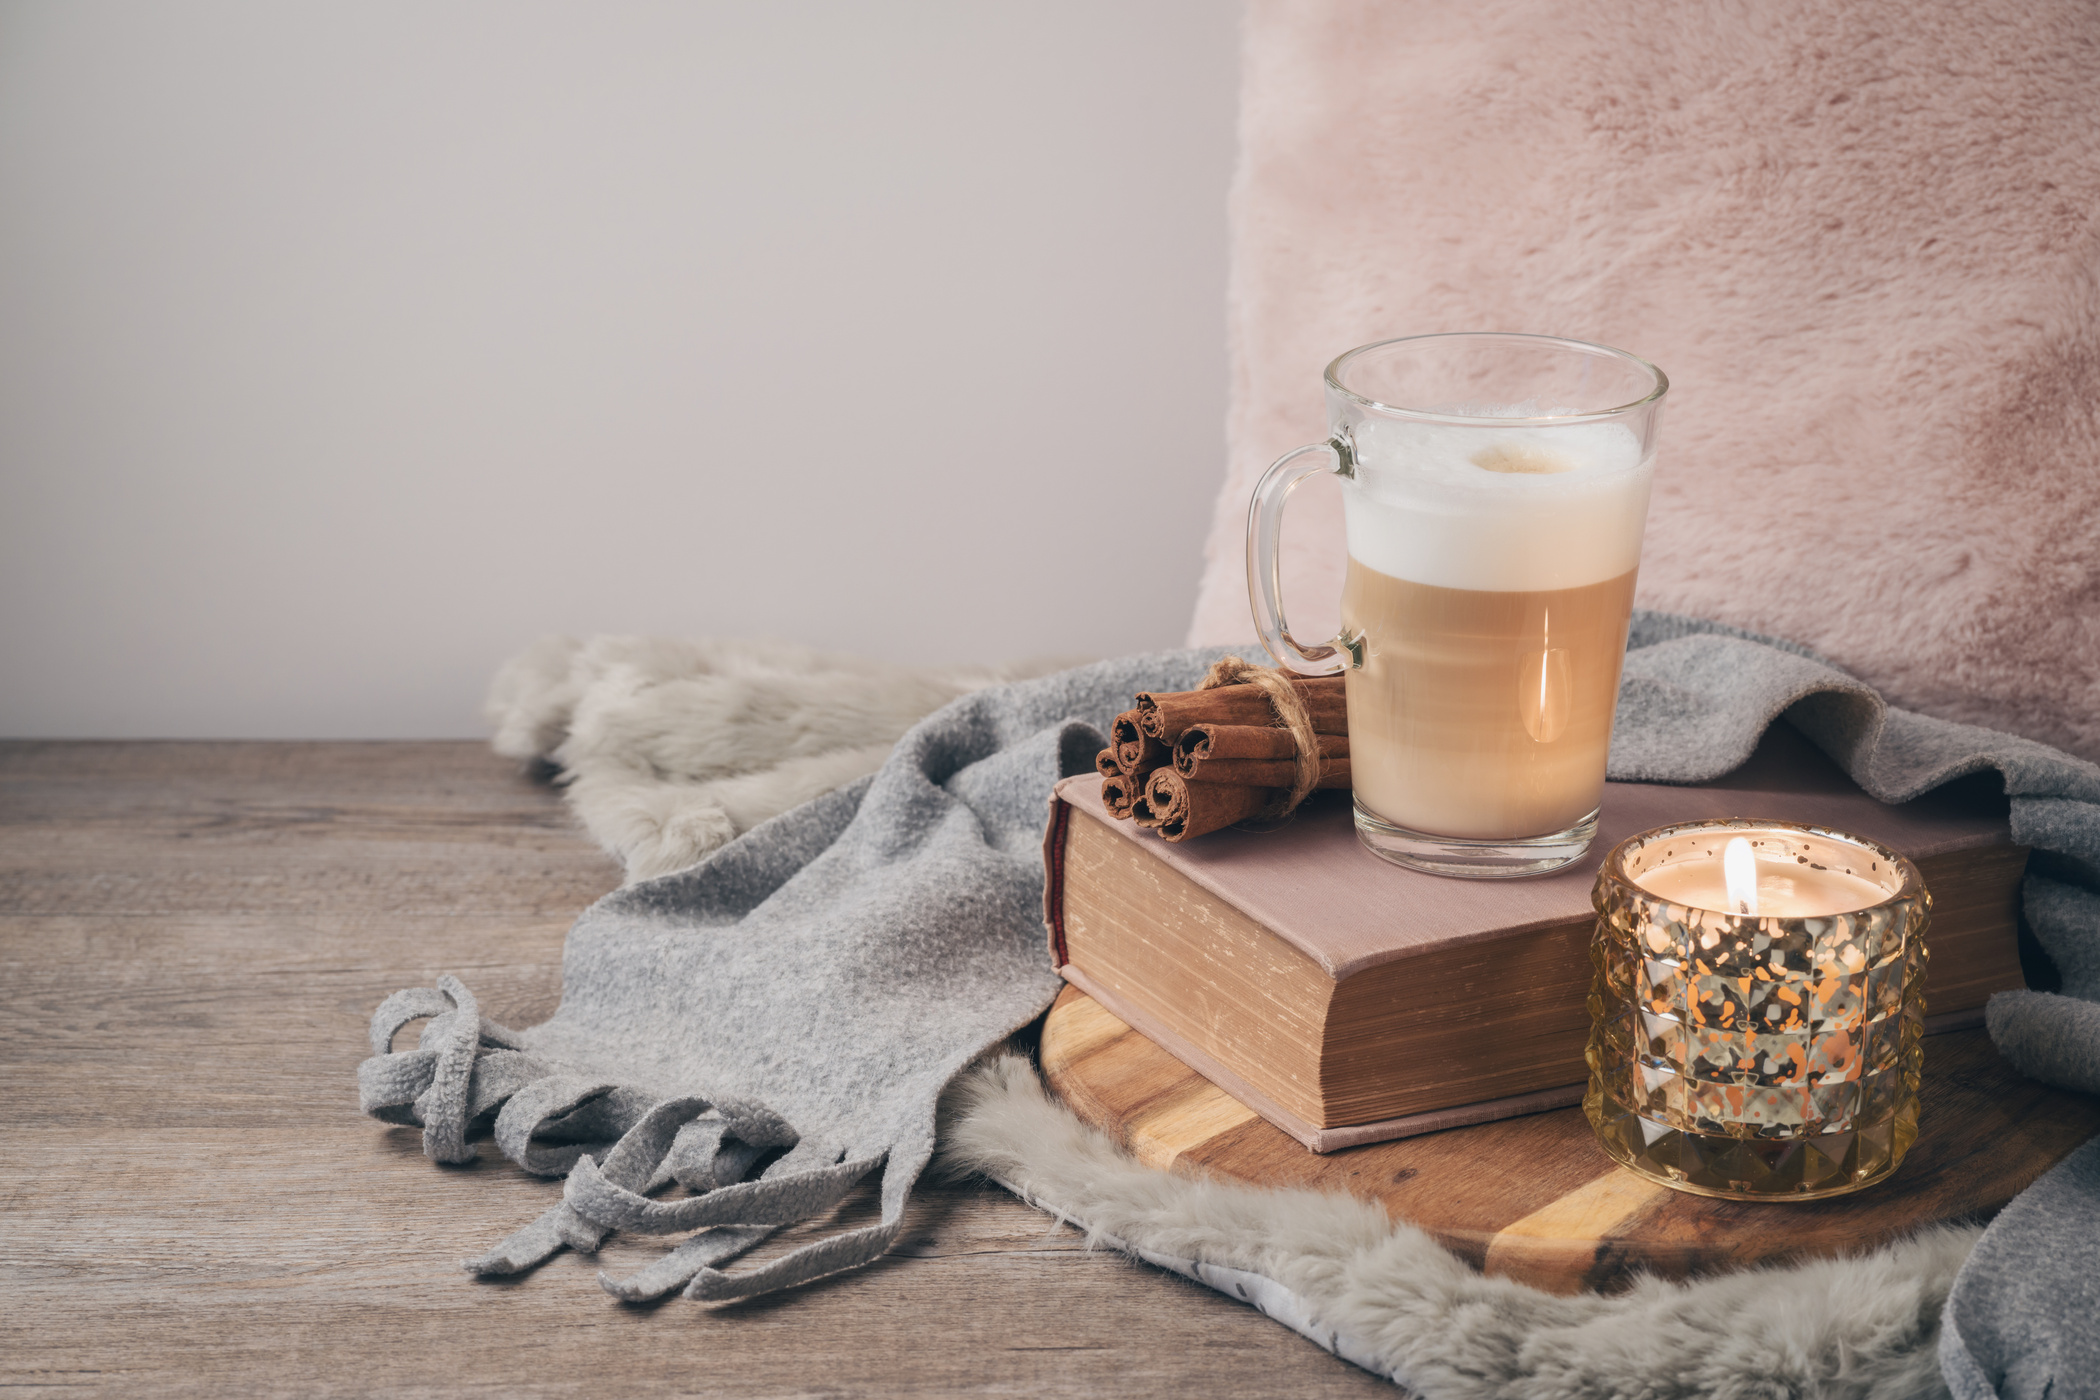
{"points": [[1262, 772], [1200, 741], [1165, 715], [1105, 763], [1120, 792], [1165, 797], [1184, 809], [1253, 755], [1137, 751]]}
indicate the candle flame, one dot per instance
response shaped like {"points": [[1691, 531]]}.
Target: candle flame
{"points": [[1739, 866]]}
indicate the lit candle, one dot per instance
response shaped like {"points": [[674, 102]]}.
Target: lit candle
{"points": [[1790, 887], [1757, 1008]]}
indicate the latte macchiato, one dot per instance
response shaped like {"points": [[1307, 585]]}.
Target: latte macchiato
{"points": [[1490, 579], [1494, 491]]}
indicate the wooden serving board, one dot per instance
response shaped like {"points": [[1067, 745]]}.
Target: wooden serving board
{"points": [[1535, 1199]]}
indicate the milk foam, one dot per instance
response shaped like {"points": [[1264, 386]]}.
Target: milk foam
{"points": [[1565, 509]]}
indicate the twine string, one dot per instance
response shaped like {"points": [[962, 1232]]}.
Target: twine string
{"points": [[1290, 710]]}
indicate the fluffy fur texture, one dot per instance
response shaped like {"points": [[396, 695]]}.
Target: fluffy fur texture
{"points": [[1857, 234], [672, 748], [1385, 1296]]}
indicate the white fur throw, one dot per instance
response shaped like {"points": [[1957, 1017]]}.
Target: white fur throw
{"points": [[1384, 1295], [671, 748], [1859, 237]]}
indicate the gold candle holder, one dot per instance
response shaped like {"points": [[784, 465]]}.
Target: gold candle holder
{"points": [[1768, 1055]]}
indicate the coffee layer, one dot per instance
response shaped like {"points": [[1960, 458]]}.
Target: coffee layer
{"points": [[1482, 713]]}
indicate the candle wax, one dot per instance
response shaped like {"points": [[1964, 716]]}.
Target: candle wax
{"points": [[1786, 890]]}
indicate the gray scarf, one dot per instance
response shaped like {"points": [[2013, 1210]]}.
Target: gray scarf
{"points": [[794, 1003]]}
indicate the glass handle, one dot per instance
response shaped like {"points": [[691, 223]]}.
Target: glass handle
{"points": [[1264, 576]]}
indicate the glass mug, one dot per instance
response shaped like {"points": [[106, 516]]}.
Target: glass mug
{"points": [[1494, 491]]}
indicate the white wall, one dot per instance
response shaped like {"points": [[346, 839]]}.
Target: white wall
{"points": [[346, 347]]}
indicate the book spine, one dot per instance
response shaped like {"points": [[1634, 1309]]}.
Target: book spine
{"points": [[1054, 877]]}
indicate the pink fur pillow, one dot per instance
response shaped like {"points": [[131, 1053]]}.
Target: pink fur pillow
{"points": [[1859, 236]]}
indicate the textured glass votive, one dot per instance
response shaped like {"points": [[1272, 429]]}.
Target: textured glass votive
{"points": [[1757, 1057]]}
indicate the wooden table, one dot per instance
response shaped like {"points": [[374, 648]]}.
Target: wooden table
{"points": [[191, 939]]}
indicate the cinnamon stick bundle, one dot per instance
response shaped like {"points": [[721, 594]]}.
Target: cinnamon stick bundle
{"points": [[1183, 809], [1190, 762], [1165, 715]]}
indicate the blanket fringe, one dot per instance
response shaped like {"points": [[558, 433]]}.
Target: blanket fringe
{"points": [[616, 1145]]}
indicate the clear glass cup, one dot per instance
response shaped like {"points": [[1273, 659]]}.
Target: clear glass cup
{"points": [[1494, 491]]}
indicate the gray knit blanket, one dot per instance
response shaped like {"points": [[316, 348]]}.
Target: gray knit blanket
{"points": [[777, 1023]]}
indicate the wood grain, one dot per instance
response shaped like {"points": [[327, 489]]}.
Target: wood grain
{"points": [[1535, 1199], [191, 939]]}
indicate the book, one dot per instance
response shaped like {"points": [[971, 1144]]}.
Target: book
{"points": [[1349, 1000]]}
